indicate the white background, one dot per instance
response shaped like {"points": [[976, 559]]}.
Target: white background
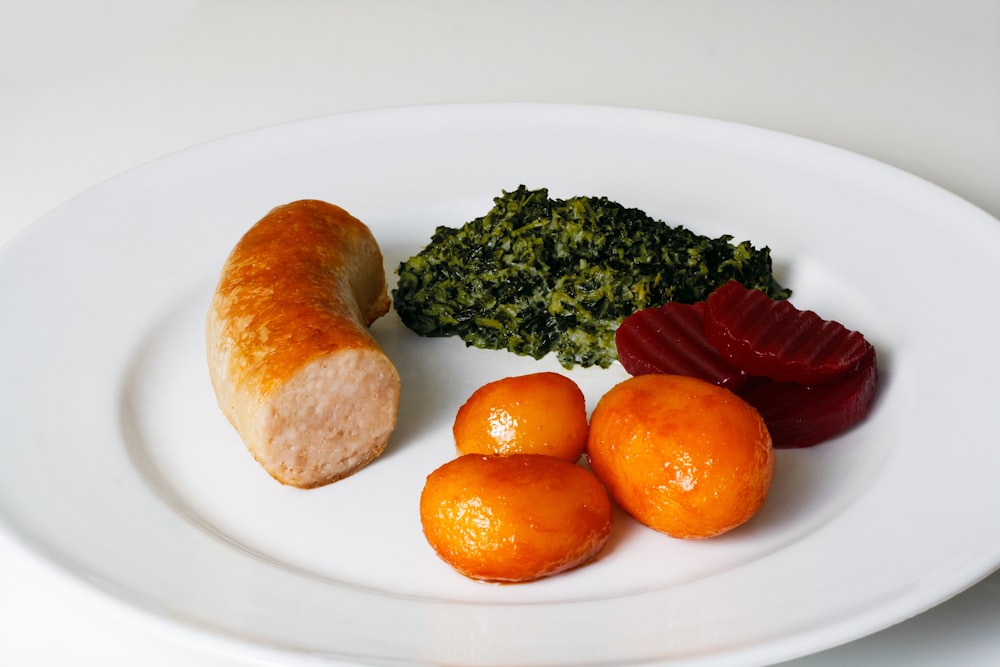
{"points": [[91, 89]]}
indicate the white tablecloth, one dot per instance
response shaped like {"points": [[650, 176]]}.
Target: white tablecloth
{"points": [[91, 89]]}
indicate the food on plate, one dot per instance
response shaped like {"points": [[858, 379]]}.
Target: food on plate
{"points": [[683, 456], [810, 378], [536, 275], [799, 415], [514, 518], [775, 339], [538, 413], [671, 339], [293, 364]]}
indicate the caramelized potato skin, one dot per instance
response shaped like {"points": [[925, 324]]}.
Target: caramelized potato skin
{"points": [[681, 455], [514, 518], [537, 413]]}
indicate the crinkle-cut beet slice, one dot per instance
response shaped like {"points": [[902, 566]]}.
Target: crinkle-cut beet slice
{"points": [[802, 415], [773, 338], [671, 339]]}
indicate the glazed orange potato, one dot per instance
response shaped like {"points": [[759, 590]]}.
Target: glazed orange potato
{"points": [[539, 413], [683, 456], [514, 518]]}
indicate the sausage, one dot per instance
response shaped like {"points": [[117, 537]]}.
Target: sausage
{"points": [[292, 362]]}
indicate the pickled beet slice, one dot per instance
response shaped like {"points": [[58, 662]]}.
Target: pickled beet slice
{"points": [[800, 415], [774, 339], [671, 339]]}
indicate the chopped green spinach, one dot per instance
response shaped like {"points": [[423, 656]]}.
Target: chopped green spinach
{"points": [[537, 275]]}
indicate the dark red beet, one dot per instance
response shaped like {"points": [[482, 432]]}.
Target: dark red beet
{"points": [[800, 416], [671, 339], [774, 339]]}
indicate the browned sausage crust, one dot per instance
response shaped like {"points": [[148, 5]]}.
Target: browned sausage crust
{"points": [[293, 365]]}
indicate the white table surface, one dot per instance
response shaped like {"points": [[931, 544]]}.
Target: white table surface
{"points": [[91, 89]]}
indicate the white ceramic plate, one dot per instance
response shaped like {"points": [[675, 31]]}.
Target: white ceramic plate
{"points": [[119, 470]]}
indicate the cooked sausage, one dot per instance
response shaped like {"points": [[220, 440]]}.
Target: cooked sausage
{"points": [[293, 364]]}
